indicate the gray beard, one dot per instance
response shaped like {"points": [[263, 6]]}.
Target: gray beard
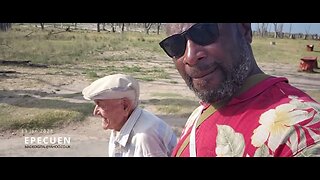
{"points": [[233, 82]]}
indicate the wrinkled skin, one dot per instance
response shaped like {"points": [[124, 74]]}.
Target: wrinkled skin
{"points": [[114, 112]]}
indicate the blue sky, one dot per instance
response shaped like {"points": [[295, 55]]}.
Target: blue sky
{"points": [[296, 27]]}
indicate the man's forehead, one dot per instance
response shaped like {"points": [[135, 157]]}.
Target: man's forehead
{"points": [[106, 101]]}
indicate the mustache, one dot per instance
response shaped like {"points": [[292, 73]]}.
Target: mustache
{"points": [[201, 69], [234, 78]]}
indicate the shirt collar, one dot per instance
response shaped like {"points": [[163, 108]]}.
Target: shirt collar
{"points": [[124, 133]]}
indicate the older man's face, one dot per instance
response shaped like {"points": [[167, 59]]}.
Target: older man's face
{"points": [[112, 112]]}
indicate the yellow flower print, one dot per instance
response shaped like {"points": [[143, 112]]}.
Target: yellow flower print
{"points": [[276, 124]]}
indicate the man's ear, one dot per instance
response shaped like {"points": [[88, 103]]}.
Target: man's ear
{"points": [[247, 31], [126, 104]]}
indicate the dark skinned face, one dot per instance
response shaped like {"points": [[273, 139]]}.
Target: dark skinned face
{"points": [[215, 71]]}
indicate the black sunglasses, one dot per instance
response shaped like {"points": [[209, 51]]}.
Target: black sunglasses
{"points": [[201, 33]]}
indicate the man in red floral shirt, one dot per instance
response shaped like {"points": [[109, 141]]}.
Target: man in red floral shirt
{"points": [[243, 111]]}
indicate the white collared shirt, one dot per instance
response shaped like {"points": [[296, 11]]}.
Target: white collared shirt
{"points": [[143, 135]]}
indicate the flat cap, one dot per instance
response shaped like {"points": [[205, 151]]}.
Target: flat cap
{"points": [[114, 86]]}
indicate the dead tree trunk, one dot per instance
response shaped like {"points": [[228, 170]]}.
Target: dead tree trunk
{"points": [[42, 26], [98, 27], [113, 27], [5, 26], [122, 27], [147, 27], [158, 28]]}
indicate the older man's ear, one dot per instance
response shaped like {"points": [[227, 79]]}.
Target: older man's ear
{"points": [[127, 105]]}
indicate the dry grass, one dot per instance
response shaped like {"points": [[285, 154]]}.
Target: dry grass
{"points": [[88, 55]]}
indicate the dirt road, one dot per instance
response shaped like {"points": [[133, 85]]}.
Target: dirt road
{"points": [[89, 139]]}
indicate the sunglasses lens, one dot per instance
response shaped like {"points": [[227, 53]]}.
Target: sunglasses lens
{"points": [[204, 34], [174, 45]]}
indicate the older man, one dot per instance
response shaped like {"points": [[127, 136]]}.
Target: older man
{"points": [[135, 132]]}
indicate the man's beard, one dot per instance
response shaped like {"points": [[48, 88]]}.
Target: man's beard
{"points": [[232, 84]]}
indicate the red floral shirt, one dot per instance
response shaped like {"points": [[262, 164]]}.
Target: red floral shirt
{"points": [[272, 118]]}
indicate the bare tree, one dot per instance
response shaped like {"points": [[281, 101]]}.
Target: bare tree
{"points": [[258, 29], [128, 26], [291, 35], [278, 28], [158, 28], [103, 26], [98, 27], [5, 26], [122, 27], [307, 30], [290, 28], [113, 27], [275, 25], [42, 26], [265, 28], [147, 27], [262, 29]]}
